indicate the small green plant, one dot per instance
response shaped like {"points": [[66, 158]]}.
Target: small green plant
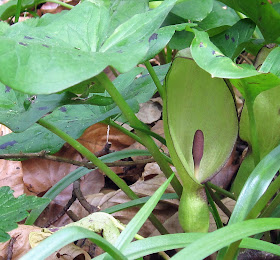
{"points": [[53, 81]]}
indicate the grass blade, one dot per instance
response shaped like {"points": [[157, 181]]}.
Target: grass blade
{"points": [[256, 185], [222, 237], [137, 202], [65, 236], [135, 224]]}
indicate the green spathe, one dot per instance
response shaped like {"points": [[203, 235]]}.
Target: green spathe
{"points": [[195, 101]]}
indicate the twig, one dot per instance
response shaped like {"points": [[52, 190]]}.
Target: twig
{"points": [[72, 215], [64, 210], [10, 248], [44, 155], [88, 207], [244, 57]]}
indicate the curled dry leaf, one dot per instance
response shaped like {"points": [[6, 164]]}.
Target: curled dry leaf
{"points": [[11, 171]]}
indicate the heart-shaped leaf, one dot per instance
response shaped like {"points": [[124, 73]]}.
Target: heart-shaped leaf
{"points": [[40, 55]]}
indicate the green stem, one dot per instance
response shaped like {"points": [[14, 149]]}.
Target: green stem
{"points": [[101, 165], [123, 130], [220, 190], [18, 10], [114, 71], [232, 251], [249, 101], [215, 213], [269, 210], [59, 2], [168, 54], [265, 198], [133, 120], [218, 201], [132, 135], [154, 77], [90, 156]]}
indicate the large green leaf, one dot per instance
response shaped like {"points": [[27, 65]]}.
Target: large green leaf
{"points": [[68, 118], [19, 111], [13, 210], [210, 58], [195, 101], [121, 11], [35, 51], [37, 138], [193, 10], [220, 18], [262, 13], [232, 41]]}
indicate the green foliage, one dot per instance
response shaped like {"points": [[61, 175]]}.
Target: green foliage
{"points": [[71, 38], [60, 58], [13, 210]]}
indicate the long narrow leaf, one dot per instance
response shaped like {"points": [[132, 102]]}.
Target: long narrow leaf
{"points": [[220, 238], [256, 185], [260, 245], [65, 236], [156, 244], [137, 202], [135, 224]]}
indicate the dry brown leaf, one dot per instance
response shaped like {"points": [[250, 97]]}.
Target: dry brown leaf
{"points": [[158, 129], [21, 245], [95, 137], [11, 171], [149, 112], [172, 225], [164, 209], [40, 175], [55, 8]]}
